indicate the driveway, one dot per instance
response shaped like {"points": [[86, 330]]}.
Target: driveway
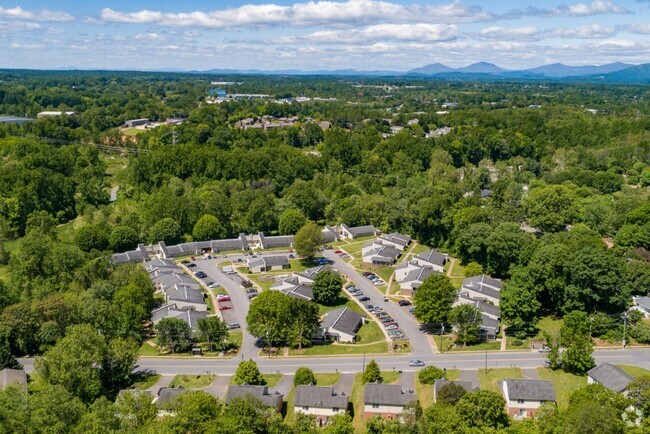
{"points": [[284, 386], [530, 374], [219, 386], [420, 346], [470, 375], [345, 383]]}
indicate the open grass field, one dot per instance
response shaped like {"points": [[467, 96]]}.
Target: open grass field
{"points": [[146, 382], [550, 325], [192, 381], [271, 379], [148, 350], [565, 384], [420, 248], [342, 301], [385, 273], [341, 349], [634, 371], [370, 332], [490, 380], [449, 345], [261, 281]]}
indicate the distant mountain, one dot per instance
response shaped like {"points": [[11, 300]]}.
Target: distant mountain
{"points": [[639, 74], [434, 68], [481, 68], [561, 70]]}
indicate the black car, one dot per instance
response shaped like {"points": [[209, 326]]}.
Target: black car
{"points": [[364, 298], [191, 265], [404, 303]]}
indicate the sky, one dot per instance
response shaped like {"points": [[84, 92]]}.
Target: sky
{"points": [[395, 35]]}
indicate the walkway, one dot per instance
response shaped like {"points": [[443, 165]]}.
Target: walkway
{"points": [[530, 374], [345, 383], [470, 375], [219, 386], [162, 382]]}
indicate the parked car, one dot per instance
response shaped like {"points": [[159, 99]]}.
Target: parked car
{"points": [[185, 261], [291, 257], [386, 319], [225, 307], [338, 251], [252, 296], [190, 265], [392, 327], [351, 288], [223, 297], [412, 310], [345, 256], [213, 285], [364, 298], [240, 260], [545, 349], [396, 332], [413, 363], [379, 283], [370, 306], [210, 256], [404, 303], [251, 291], [233, 325]]}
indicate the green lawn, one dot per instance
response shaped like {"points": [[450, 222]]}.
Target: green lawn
{"points": [[146, 382], [132, 131], [192, 381], [148, 350], [385, 273], [342, 301], [271, 379], [420, 248], [458, 270], [327, 379], [511, 340], [490, 380], [354, 249], [564, 383], [224, 264], [370, 332], [634, 371], [236, 337], [550, 325], [4, 273], [336, 349], [298, 265], [11, 245], [449, 345], [265, 284], [210, 304]]}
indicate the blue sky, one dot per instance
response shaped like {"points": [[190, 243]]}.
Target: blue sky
{"points": [[316, 34]]}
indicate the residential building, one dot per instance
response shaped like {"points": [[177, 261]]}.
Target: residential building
{"points": [[308, 276], [163, 280], [140, 254], [50, 114], [261, 393], [136, 122], [16, 377], [168, 394], [482, 288], [162, 265], [268, 263], [432, 259], [341, 325], [14, 120], [439, 384], [642, 304], [186, 297], [300, 291], [413, 280], [524, 397], [274, 242], [358, 231], [375, 254], [611, 377], [190, 316], [329, 234], [386, 400], [322, 402], [491, 316], [395, 240], [404, 268]]}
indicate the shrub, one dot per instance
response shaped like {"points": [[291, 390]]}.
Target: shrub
{"points": [[430, 374]]}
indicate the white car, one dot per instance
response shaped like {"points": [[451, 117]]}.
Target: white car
{"points": [[213, 285]]}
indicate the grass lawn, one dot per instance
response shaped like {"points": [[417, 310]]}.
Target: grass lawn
{"points": [[341, 301], [336, 349], [131, 131], [146, 381], [525, 343], [458, 270], [385, 273], [354, 248], [236, 337], [192, 381], [420, 248], [490, 380], [265, 284], [298, 265], [448, 345], [11, 245], [210, 304], [224, 264], [4, 273], [550, 325], [271, 379], [148, 350], [565, 384], [370, 332], [457, 282], [634, 371]]}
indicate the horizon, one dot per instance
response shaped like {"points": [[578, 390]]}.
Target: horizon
{"points": [[364, 35]]}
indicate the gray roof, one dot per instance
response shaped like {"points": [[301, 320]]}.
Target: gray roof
{"points": [[406, 264], [168, 394], [361, 231], [319, 397], [279, 241], [259, 392], [387, 394], [12, 376], [300, 291], [483, 306], [310, 273], [343, 320], [329, 234], [190, 316], [140, 254], [14, 119], [484, 284], [644, 302], [229, 244], [397, 238], [256, 262], [169, 280], [383, 252], [272, 261], [467, 385], [185, 293], [489, 323], [433, 256], [161, 264], [610, 376], [418, 275], [530, 390]]}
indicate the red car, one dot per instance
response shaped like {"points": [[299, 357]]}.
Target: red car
{"points": [[223, 297], [338, 252], [225, 307]]}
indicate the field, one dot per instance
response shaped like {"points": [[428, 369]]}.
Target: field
{"points": [[192, 381], [490, 380], [341, 349], [146, 382], [565, 384]]}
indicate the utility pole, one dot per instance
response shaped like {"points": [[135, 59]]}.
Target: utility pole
{"points": [[364, 363], [486, 360], [624, 327], [442, 331]]}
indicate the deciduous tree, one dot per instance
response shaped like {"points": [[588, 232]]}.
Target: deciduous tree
{"points": [[307, 240], [327, 287], [247, 372], [433, 299]]}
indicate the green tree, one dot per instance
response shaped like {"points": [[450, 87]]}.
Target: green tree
{"points": [[247, 372], [304, 322], [123, 238], [304, 376], [7, 359], [91, 237], [430, 374], [135, 409], [372, 373], [639, 392], [327, 287], [307, 240], [213, 330], [119, 363], [472, 269], [194, 411], [576, 338], [505, 246], [550, 207], [291, 221], [174, 333], [54, 409], [483, 409], [466, 320], [101, 418], [340, 424], [451, 393], [441, 419], [433, 299], [267, 316], [166, 230], [208, 227]]}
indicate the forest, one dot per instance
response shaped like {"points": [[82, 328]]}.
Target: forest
{"points": [[546, 186]]}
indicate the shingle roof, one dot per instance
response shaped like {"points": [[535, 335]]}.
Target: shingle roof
{"points": [[319, 397], [467, 385], [256, 262], [418, 275], [485, 285], [530, 390], [259, 392], [12, 376], [643, 302], [397, 238], [168, 394], [190, 316], [610, 376], [361, 231], [484, 307], [273, 261], [433, 256], [140, 254], [383, 252], [343, 320], [185, 293], [161, 264], [300, 291], [279, 241], [406, 264], [387, 394]]}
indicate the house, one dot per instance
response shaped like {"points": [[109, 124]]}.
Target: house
{"points": [[268, 263], [404, 268], [273, 242], [186, 297], [329, 234], [642, 304], [358, 231], [16, 377], [482, 288], [166, 395], [611, 377], [385, 400], [170, 310], [300, 291], [375, 254], [413, 280], [162, 265], [524, 397], [322, 402], [308, 276], [491, 316], [439, 384], [341, 325], [433, 259], [273, 400], [140, 254], [163, 280], [135, 122], [395, 240]]}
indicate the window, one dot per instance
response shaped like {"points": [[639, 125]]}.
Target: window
{"points": [[306, 408], [375, 405], [335, 409], [520, 401], [522, 413]]}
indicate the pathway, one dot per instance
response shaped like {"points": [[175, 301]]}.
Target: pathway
{"points": [[470, 375], [285, 385], [345, 383], [219, 386], [530, 374], [452, 264], [162, 382], [407, 380]]}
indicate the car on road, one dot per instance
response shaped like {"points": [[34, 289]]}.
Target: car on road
{"points": [[233, 325], [545, 349], [292, 257], [251, 290], [414, 363], [223, 297], [404, 303], [213, 285], [392, 327], [252, 296], [225, 307], [364, 298], [185, 261], [190, 265]]}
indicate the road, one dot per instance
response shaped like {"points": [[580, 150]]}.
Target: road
{"points": [[288, 365], [420, 346]]}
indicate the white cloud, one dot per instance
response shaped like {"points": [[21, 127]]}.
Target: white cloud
{"points": [[17, 46], [597, 7], [640, 28], [312, 13], [515, 33], [381, 32], [42, 15], [593, 31]]}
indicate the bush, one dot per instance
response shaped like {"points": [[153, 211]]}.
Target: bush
{"points": [[517, 342], [303, 376], [430, 374]]}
